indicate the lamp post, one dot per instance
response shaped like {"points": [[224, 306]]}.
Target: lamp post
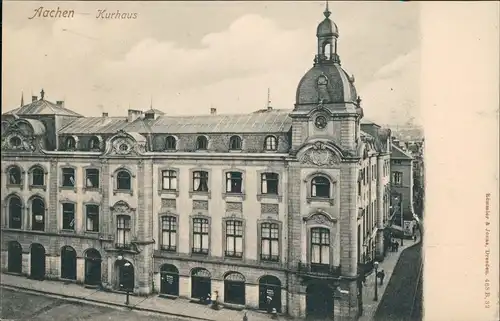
{"points": [[375, 265], [125, 265]]}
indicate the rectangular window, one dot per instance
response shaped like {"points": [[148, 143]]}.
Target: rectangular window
{"points": [[38, 177], [200, 236], [123, 232], [269, 183], [234, 182], [169, 233], [397, 178], [92, 178], [68, 216], [92, 218], [68, 177], [169, 180], [320, 246], [269, 242], [234, 238], [200, 181]]}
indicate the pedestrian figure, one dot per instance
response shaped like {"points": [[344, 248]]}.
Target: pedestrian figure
{"points": [[397, 246], [245, 318], [381, 276], [215, 302], [209, 299], [414, 237], [269, 301]]}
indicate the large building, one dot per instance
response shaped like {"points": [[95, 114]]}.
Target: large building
{"points": [[282, 203]]}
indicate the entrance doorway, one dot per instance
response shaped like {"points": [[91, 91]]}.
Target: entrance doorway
{"points": [[169, 280], [15, 257], [269, 293], [234, 288], [92, 267], [68, 263], [37, 260], [201, 284], [126, 280], [319, 302]]}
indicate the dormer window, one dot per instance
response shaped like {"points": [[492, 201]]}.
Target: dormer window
{"points": [[320, 187], [70, 143], [15, 141], [201, 143], [235, 143], [271, 143], [94, 144], [170, 143]]}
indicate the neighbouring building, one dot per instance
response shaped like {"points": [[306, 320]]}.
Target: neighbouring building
{"points": [[289, 204]]}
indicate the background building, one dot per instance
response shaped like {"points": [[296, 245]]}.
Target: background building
{"points": [[289, 204]]}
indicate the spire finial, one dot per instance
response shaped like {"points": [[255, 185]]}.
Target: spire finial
{"points": [[42, 94], [268, 97], [327, 12], [22, 99], [151, 103]]}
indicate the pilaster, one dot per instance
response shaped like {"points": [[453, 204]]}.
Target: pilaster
{"points": [[51, 207], [380, 208], [348, 219]]}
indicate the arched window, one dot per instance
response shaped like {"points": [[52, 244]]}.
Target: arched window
{"points": [[320, 246], [170, 143], [15, 175], [320, 187], [327, 50], [70, 143], [271, 143], [37, 176], [234, 288], [37, 214], [235, 143], [94, 144], [123, 180], [201, 143], [15, 212]]}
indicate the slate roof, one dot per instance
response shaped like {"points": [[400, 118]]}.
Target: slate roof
{"points": [[398, 153], [42, 107]]}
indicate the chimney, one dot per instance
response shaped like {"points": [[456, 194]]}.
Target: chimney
{"points": [[213, 111], [60, 103], [104, 115], [133, 114], [34, 98], [269, 108]]}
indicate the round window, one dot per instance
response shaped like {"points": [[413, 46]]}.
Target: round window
{"points": [[320, 122]]}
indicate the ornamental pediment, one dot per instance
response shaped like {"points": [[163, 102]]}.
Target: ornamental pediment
{"points": [[319, 154], [126, 144]]}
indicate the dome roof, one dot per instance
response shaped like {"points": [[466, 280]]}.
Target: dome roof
{"points": [[338, 87], [327, 28]]}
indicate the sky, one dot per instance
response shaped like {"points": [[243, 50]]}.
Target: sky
{"points": [[187, 57]]}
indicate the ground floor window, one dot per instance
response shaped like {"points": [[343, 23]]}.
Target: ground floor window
{"points": [[201, 284], [169, 280], [270, 293], [234, 288]]}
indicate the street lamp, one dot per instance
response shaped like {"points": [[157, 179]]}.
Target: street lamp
{"points": [[375, 265], [125, 265]]}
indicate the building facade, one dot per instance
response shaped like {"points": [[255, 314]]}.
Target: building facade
{"points": [[286, 204]]}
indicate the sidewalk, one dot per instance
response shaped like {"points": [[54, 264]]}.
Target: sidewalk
{"points": [[179, 308], [369, 305]]}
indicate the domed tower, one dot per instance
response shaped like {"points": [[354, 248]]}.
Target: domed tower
{"points": [[327, 105]]}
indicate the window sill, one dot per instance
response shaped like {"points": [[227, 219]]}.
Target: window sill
{"points": [[67, 188], [92, 189], [321, 200], [20, 186], [65, 231], [170, 192], [238, 256], [204, 254], [277, 197], [123, 191], [92, 233], [204, 194], [168, 249], [235, 150], [37, 187], [238, 196]]}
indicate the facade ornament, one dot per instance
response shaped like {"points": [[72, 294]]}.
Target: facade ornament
{"points": [[121, 207], [319, 155]]}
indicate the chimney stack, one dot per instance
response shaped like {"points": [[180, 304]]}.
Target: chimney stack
{"points": [[60, 103], [213, 111], [104, 115], [269, 108], [34, 98], [133, 114]]}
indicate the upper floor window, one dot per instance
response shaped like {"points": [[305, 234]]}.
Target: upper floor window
{"points": [[15, 175], [15, 212], [123, 180], [37, 176], [200, 181], [170, 143], [320, 187], [201, 143], [269, 183], [169, 233], [271, 143], [92, 213], [37, 214], [397, 161], [70, 143], [169, 180], [68, 216], [92, 178], [94, 144], [320, 245], [123, 228], [234, 239], [200, 235], [234, 182], [397, 178], [235, 143], [269, 242], [68, 177]]}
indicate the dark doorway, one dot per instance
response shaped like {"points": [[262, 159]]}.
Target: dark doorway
{"points": [[234, 288], [169, 280], [92, 267], [68, 263], [15, 257], [125, 276], [37, 261], [319, 302], [269, 293], [201, 284]]}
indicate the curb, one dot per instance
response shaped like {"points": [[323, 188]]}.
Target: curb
{"points": [[101, 303]]}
